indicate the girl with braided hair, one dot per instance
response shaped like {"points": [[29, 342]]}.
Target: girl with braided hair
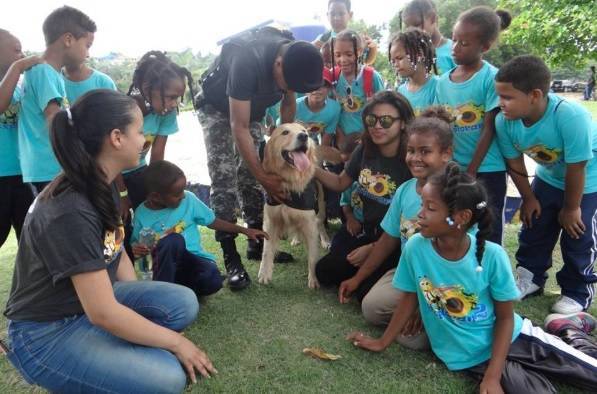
{"points": [[354, 83], [465, 290], [412, 55], [422, 14], [158, 86]]}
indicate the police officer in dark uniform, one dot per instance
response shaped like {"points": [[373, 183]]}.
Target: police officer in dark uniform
{"points": [[252, 72]]}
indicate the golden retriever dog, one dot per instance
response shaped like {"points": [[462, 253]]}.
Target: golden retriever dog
{"points": [[290, 153]]}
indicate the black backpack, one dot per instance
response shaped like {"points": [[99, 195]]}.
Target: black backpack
{"points": [[213, 81]]}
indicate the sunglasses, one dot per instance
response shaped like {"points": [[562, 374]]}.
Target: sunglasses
{"points": [[385, 121], [349, 99]]}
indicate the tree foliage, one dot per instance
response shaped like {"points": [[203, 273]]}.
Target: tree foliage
{"points": [[560, 31]]}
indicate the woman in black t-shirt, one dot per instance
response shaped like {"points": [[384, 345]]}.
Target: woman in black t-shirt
{"points": [[379, 167], [78, 319]]}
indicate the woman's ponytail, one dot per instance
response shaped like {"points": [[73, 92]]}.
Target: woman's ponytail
{"points": [[77, 135]]}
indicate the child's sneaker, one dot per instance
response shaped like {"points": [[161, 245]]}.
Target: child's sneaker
{"points": [[556, 322], [566, 306], [525, 284]]}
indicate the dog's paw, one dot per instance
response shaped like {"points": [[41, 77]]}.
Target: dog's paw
{"points": [[264, 279], [264, 276], [313, 283]]}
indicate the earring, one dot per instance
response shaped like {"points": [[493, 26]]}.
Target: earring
{"points": [[449, 221]]}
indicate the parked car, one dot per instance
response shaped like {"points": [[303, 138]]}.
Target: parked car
{"points": [[568, 86], [579, 86], [557, 86]]}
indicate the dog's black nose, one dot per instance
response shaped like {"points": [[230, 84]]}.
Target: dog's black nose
{"points": [[302, 137]]}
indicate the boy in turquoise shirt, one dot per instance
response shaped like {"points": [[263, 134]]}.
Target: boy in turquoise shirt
{"points": [[69, 34], [80, 79], [165, 226], [319, 113], [562, 139], [15, 196]]}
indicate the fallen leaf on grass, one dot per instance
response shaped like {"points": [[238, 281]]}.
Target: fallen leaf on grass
{"points": [[318, 353]]}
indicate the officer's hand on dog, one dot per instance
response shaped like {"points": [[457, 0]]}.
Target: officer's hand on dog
{"points": [[272, 184], [255, 234]]}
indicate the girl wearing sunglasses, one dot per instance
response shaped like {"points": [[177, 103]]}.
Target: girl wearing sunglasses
{"points": [[378, 166]]}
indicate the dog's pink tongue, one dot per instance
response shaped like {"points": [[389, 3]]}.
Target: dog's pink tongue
{"points": [[301, 161]]}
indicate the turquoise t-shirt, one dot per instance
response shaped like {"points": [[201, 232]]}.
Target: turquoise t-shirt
{"points": [[272, 115], [564, 134], [350, 117], [183, 220], [469, 101], [422, 98], [42, 84], [9, 139], [154, 125], [401, 219], [443, 57], [456, 301], [351, 197], [97, 80], [326, 120]]}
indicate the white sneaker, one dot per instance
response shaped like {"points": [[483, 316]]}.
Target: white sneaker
{"points": [[566, 306], [525, 283]]}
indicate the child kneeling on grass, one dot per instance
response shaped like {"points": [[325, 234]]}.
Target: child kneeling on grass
{"points": [[465, 291], [171, 216]]}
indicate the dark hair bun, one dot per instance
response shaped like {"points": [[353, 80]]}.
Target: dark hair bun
{"points": [[505, 18], [439, 112]]}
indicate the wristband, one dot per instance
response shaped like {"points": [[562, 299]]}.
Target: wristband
{"points": [[124, 193]]}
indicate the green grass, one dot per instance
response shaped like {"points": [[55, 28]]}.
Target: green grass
{"points": [[592, 107], [255, 337]]}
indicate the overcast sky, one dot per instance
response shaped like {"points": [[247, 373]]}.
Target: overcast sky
{"points": [[134, 27]]}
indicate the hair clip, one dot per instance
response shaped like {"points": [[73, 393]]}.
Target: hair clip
{"points": [[69, 115], [481, 205], [449, 221]]}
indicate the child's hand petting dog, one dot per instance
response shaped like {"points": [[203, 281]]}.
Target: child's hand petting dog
{"points": [[140, 250], [255, 234]]}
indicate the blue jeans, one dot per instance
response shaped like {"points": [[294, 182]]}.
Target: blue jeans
{"points": [[74, 356]]}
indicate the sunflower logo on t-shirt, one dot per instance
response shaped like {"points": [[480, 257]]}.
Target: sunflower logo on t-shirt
{"points": [[113, 243], [469, 115], [351, 103], [9, 117], [542, 154], [451, 301]]}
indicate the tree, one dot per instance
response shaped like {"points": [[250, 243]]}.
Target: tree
{"points": [[448, 12], [560, 31]]}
